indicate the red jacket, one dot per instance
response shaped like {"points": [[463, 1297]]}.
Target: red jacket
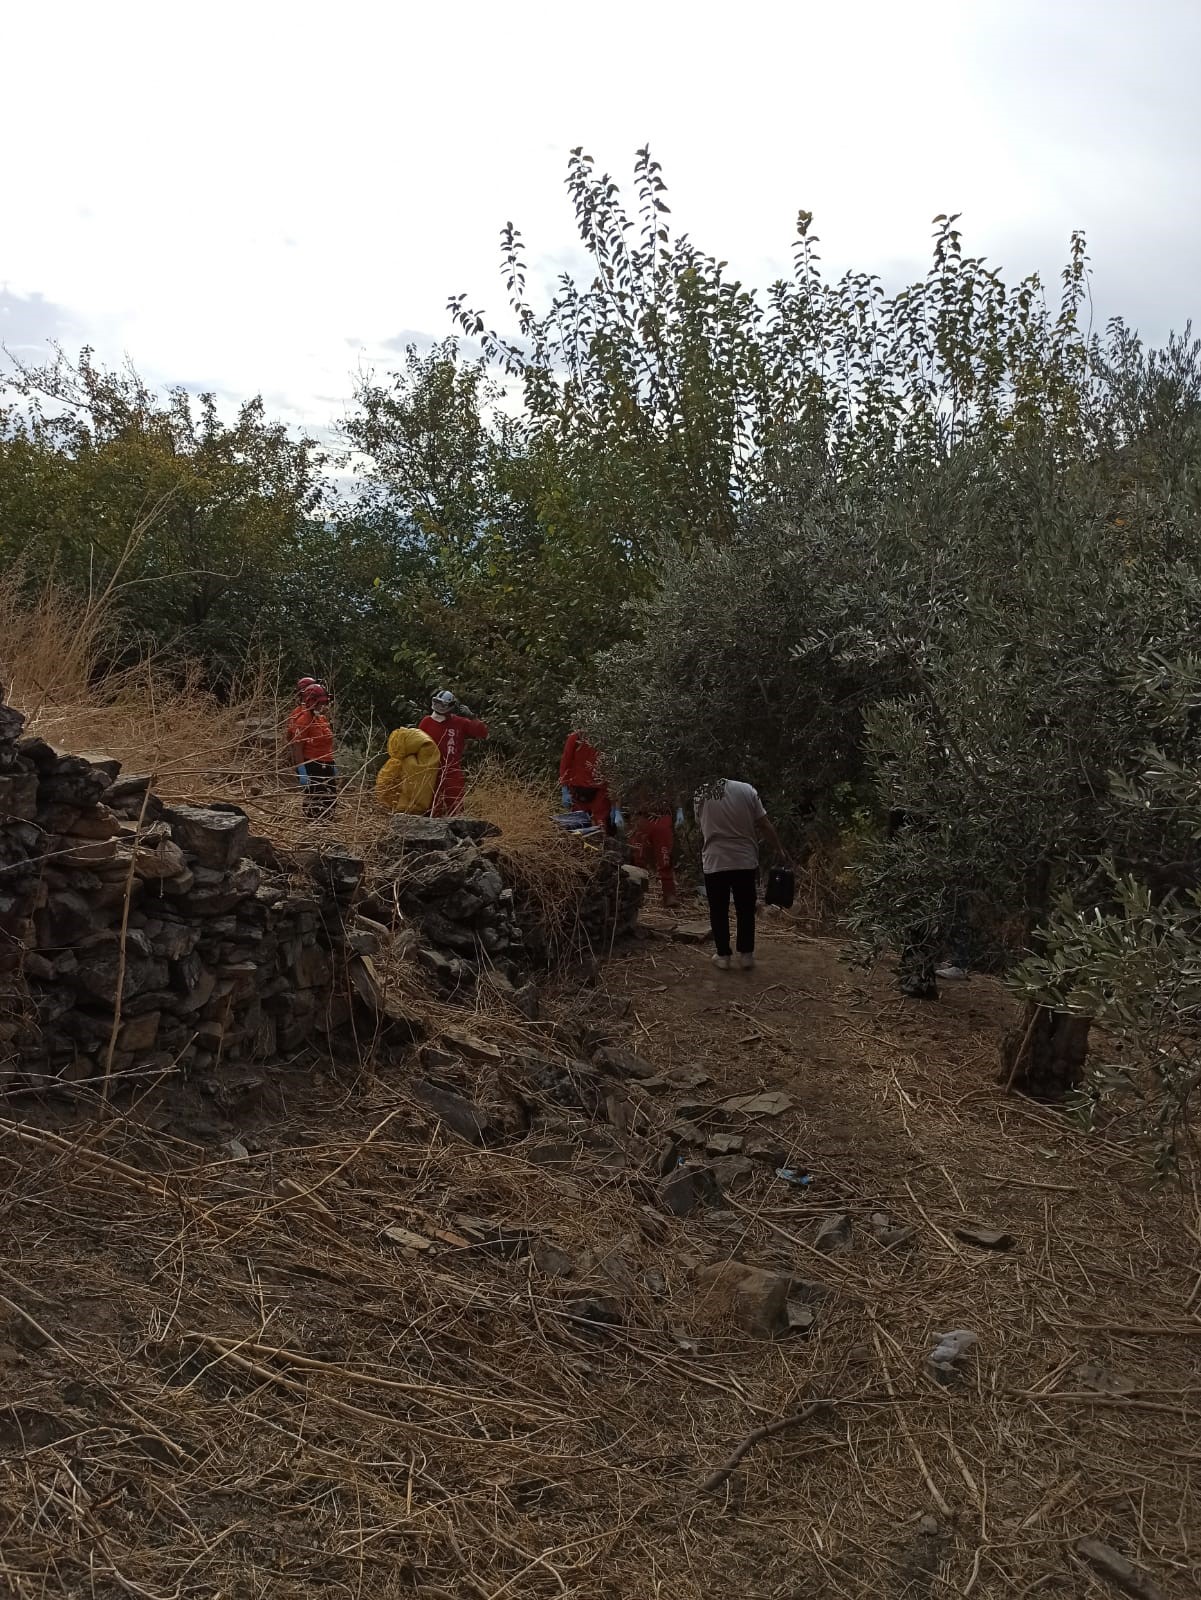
{"points": [[451, 735], [580, 766], [310, 734]]}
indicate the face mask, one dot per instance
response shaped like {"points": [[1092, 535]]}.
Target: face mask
{"points": [[439, 711]]}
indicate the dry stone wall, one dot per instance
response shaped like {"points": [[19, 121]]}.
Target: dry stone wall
{"points": [[139, 938], [439, 884]]}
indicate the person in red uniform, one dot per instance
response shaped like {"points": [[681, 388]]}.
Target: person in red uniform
{"points": [[580, 779], [652, 840], [450, 731], [294, 720], [311, 750]]}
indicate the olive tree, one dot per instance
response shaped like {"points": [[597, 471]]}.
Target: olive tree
{"points": [[1012, 755], [1127, 955]]}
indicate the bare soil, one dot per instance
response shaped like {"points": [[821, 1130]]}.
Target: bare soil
{"points": [[220, 1377]]}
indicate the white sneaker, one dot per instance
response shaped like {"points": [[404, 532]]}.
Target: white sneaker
{"points": [[722, 963], [746, 962], [950, 973]]}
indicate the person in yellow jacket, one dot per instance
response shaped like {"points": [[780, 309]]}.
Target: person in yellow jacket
{"points": [[407, 780]]}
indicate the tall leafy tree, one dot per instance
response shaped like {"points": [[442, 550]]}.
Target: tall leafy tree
{"points": [[504, 593], [191, 522]]}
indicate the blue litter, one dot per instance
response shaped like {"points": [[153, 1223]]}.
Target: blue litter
{"points": [[574, 821], [795, 1176]]}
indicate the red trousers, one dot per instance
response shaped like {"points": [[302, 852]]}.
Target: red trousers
{"points": [[448, 796], [650, 844], [595, 801]]}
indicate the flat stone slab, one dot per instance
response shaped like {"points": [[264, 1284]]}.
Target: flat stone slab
{"points": [[984, 1238], [772, 1104]]}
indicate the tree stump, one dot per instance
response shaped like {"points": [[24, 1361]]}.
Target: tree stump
{"points": [[1044, 1055]]}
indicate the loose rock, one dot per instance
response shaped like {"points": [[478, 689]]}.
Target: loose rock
{"points": [[773, 1104], [454, 1111], [1115, 1569], [687, 1189], [943, 1361], [887, 1233], [623, 1063], [748, 1297], [595, 1312], [983, 1237], [550, 1260], [834, 1234], [724, 1144]]}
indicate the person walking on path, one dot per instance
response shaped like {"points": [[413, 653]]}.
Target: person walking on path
{"points": [[581, 782], [311, 751], [450, 730], [732, 820]]}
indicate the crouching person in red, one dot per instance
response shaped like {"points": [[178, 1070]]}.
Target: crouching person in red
{"points": [[581, 781], [652, 842], [450, 731]]}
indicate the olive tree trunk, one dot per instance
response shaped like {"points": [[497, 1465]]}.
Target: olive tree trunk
{"points": [[1044, 1055]]}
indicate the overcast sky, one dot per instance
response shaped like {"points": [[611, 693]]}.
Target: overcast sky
{"points": [[266, 197]]}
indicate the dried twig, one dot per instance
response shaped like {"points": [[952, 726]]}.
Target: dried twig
{"points": [[769, 1429]]}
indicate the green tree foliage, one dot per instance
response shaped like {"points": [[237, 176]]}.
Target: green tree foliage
{"points": [[197, 525], [216, 541], [1126, 953], [795, 601], [1013, 755], [506, 591], [678, 396], [735, 662], [954, 529]]}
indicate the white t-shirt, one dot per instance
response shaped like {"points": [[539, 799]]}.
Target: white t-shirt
{"points": [[729, 836]]}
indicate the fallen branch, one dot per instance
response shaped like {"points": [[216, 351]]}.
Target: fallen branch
{"points": [[719, 1475], [44, 1138]]}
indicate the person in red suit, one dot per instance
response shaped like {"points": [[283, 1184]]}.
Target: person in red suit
{"points": [[450, 731], [311, 751], [580, 779], [652, 840]]}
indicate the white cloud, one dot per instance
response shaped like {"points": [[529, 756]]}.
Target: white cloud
{"points": [[229, 193]]}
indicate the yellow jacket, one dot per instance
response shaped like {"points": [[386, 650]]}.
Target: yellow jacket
{"points": [[406, 780]]}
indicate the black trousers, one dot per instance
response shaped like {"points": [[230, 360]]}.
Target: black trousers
{"points": [[743, 884], [318, 795]]}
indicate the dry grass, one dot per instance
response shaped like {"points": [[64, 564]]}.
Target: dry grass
{"points": [[226, 1380], [153, 716], [823, 885], [156, 717]]}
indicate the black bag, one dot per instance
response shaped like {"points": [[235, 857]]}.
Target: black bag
{"points": [[781, 888]]}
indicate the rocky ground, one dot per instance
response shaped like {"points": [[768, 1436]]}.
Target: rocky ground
{"points": [[638, 1300]]}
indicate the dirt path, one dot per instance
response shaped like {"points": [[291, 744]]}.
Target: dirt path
{"points": [[221, 1374], [1079, 1416]]}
